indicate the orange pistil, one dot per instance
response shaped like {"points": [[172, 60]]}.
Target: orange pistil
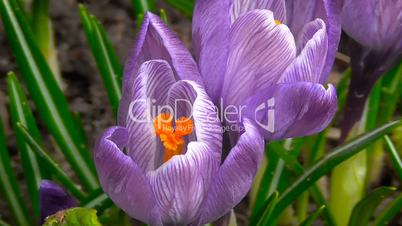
{"points": [[172, 138]]}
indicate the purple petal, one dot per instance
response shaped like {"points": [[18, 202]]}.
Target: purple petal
{"points": [[155, 41], [260, 50], [334, 29], [198, 105], [235, 175], [150, 88], [373, 23], [308, 65], [292, 109], [301, 12], [181, 184], [211, 25], [52, 199], [241, 7], [121, 178]]}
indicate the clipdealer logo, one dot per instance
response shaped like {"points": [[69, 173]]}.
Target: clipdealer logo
{"points": [[231, 115], [269, 108]]}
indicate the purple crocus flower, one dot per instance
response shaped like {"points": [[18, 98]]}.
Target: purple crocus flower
{"points": [[166, 170], [52, 199], [376, 29], [270, 55]]}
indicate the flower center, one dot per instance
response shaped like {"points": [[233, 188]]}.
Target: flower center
{"points": [[172, 138], [278, 22]]}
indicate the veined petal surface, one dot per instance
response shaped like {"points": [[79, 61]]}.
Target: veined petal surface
{"points": [[292, 109]]}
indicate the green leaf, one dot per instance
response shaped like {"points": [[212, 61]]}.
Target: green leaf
{"points": [[297, 168], [20, 112], [3, 223], [266, 213], [73, 217], [9, 185], [140, 7], [44, 36], [58, 172], [326, 164], [184, 6], [164, 16], [393, 155], [318, 147], [373, 107], [342, 89], [267, 180], [313, 217], [390, 93], [97, 200], [105, 56], [273, 174], [115, 216], [392, 209], [49, 100], [365, 208]]}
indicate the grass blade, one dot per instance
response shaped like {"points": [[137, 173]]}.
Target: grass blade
{"points": [[292, 164], [48, 98], [9, 184], [393, 154], [326, 164], [140, 7], [20, 112], [164, 16], [365, 208], [105, 56], [313, 217], [184, 6], [3, 223], [393, 209], [270, 203], [44, 36], [391, 93], [51, 164], [97, 200]]}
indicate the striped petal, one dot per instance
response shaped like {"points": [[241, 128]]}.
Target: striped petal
{"points": [[301, 12], [309, 64], [292, 109], [155, 41], [241, 7], [181, 184], [260, 50], [190, 99], [235, 176], [211, 26], [149, 90], [121, 178]]}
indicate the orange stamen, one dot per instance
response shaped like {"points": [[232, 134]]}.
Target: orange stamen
{"points": [[184, 126], [163, 123], [172, 138], [278, 22]]}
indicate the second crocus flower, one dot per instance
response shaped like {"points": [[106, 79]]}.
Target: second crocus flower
{"points": [[375, 27], [270, 55]]}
